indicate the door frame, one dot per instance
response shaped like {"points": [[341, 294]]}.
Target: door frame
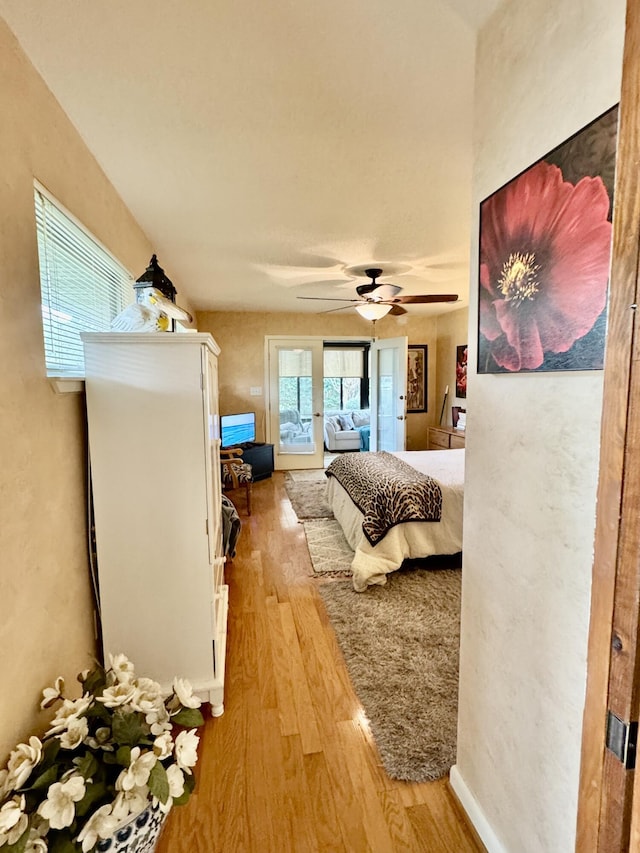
{"points": [[608, 812], [299, 460]]}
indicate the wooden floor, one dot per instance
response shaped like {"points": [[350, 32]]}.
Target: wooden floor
{"points": [[291, 766]]}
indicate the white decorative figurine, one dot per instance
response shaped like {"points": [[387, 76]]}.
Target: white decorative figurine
{"points": [[152, 313]]}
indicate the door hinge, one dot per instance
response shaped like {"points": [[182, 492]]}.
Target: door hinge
{"points": [[622, 740]]}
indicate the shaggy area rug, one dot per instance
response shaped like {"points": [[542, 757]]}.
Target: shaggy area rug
{"points": [[400, 643], [329, 550], [308, 497]]}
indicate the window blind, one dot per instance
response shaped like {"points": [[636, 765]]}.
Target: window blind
{"points": [[294, 362], [83, 287], [343, 362]]}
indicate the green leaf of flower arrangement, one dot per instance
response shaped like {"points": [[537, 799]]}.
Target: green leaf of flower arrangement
{"points": [[158, 782], [45, 779], [60, 842], [95, 682], [93, 793], [123, 756], [50, 752], [87, 766], [190, 718], [127, 728]]}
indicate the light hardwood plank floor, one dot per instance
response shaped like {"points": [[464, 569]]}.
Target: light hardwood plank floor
{"points": [[291, 766]]}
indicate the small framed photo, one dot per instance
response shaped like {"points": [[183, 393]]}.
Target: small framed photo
{"points": [[461, 371], [417, 378]]}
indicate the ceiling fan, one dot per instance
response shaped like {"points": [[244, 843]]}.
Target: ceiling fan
{"points": [[376, 300]]}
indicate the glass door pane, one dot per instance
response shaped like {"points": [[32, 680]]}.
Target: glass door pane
{"points": [[296, 403], [389, 387]]}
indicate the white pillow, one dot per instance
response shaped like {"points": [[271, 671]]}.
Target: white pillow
{"points": [[360, 418], [346, 422]]}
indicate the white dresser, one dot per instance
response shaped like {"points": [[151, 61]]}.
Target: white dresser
{"points": [[154, 441]]}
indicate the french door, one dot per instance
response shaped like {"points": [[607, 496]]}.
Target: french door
{"points": [[295, 405], [388, 394], [295, 402]]}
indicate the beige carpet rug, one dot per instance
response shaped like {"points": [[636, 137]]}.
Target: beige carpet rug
{"points": [[400, 643], [308, 497], [329, 550]]}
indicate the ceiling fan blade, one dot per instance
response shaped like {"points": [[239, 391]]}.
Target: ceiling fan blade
{"points": [[341, 308], [426, 298], [397, 310], [378, 291]]}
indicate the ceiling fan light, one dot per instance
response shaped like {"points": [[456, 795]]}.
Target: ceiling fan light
{"points": [[373, 310]]}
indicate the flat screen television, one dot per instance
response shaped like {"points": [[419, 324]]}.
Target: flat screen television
{"points": [[237, 429]]}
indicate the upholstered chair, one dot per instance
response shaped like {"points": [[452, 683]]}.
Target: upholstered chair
{"points": [[236, 473]]}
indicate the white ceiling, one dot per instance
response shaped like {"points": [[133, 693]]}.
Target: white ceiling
{"points": [[266, 148]]}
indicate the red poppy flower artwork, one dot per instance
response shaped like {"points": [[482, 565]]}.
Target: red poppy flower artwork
{"points": [[545, 246]]}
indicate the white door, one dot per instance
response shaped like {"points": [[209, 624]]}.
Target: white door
{"points": [[295, 410], [388, 393]]}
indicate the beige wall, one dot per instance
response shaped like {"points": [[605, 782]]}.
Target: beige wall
{"points": [[46, 619], [544, 70], [241, 339], [452, 333]]}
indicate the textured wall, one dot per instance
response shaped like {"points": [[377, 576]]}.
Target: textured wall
{"points": [[241, 339], [544, 69], [452, 333], [46, 620]]}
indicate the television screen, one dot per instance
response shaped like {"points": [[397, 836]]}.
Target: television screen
{"points": [[237, 429]]}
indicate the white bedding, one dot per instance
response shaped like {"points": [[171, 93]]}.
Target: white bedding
{"points": [[371, 564]]}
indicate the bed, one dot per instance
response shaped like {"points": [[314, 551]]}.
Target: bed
{"points": [[377, 554]]}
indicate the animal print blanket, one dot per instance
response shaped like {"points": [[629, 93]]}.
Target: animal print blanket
{"points": [[386, 490]]}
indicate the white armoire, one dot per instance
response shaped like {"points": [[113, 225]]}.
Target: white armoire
{"points": [[154, 441]]}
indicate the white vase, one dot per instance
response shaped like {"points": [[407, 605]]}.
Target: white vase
{"points": [[138, 835]]}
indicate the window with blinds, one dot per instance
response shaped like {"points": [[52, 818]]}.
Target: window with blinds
{"points": [[345, 378], [83, 286]]}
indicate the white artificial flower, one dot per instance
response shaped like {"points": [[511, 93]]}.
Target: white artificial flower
{"points": [[70, 709], [148, 695], [13, 821], [101, 824], [158, 720], [101, 739], [186, 750], [76, 732], [122, 668], [22, 761], [35, 844], [121, 693], [184, 692], [130, 802], [137, 773], [163, 745], [10, 815], [59, 808], [4, 784], [176, 781], [52, 694]]}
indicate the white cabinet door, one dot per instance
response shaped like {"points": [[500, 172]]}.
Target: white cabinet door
{"points": [[154, 445]]}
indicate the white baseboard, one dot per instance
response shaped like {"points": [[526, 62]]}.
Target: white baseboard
{"points": [[474, 812]]}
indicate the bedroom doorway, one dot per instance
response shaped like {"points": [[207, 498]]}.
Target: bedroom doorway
{"points": [[295, 402]]}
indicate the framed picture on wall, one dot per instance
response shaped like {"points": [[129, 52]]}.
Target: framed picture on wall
{"points": [[417, 378], [461, 371], [545, 245]]}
